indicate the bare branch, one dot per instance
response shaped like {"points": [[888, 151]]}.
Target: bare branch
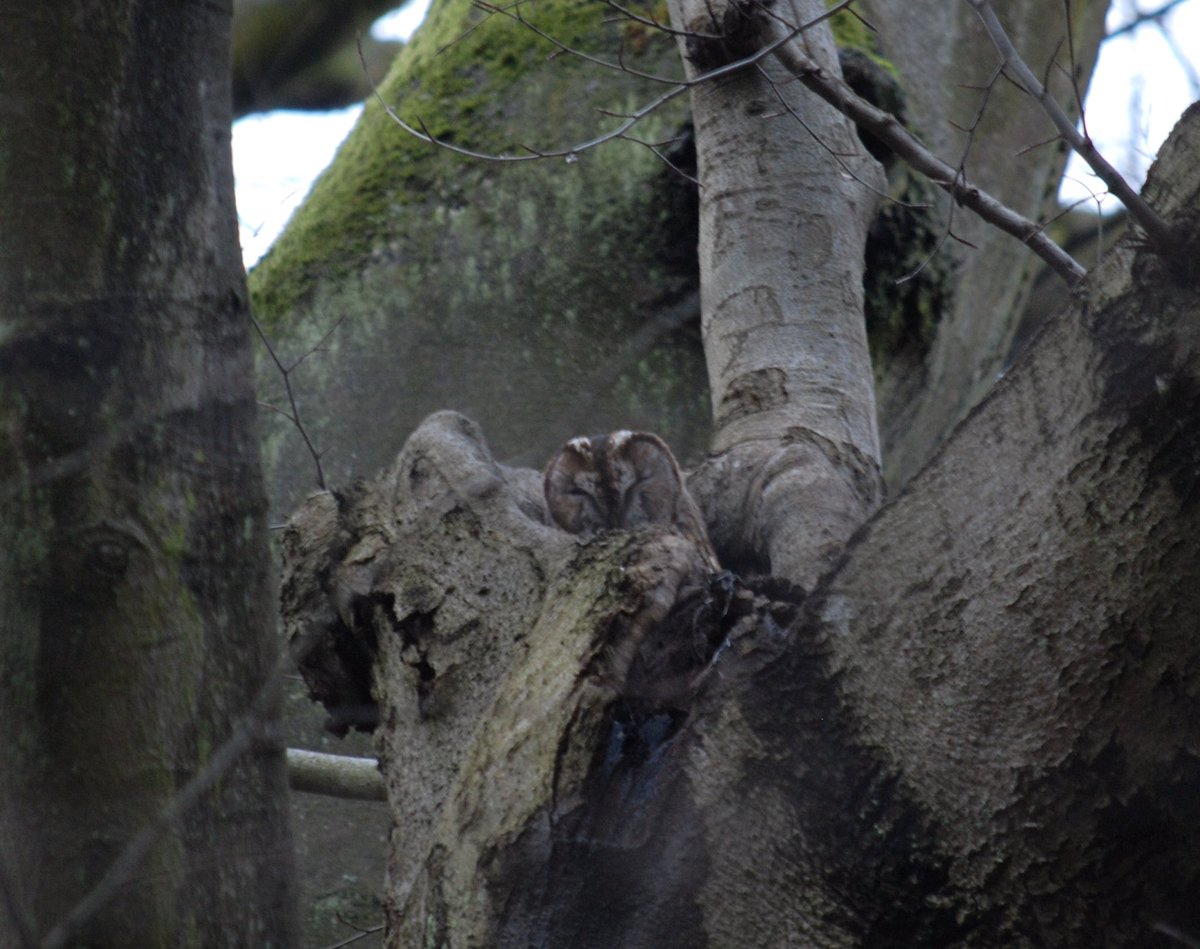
{"points": [[887, 129], [840, 159], [656, 150], [1159, 232], [1071, 72], [651, 22], [286, 373], [1154, 16], [572, 153], [513, 12], [361, 934], [834, 91]]}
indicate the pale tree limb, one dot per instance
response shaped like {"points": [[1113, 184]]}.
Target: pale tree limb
{"points": [[335, 775], [1160, 233]]}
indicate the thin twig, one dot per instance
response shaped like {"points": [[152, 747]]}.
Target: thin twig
{"points": [[1159, 232], [513, 12], [840, 159], [361, 934], [656, 150], [1075, 90], [285, 372], [651, 22]]}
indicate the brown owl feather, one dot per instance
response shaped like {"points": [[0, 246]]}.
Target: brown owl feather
{"points": [[622, 480]]}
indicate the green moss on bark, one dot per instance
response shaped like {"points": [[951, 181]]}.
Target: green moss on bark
{"points": [[468, 79]]}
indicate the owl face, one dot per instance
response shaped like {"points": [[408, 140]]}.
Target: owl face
{"points": [[621, 480]]}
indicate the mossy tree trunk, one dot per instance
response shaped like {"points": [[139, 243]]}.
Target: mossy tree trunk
{"points": [[135, 578]]}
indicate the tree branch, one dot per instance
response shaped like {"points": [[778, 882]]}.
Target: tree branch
{"points": [[285, 372], [572, 153], [1159, 232], [888, 129], [335, 775], [1141, 19]]}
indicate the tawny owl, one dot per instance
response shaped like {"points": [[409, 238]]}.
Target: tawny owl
{"points": [[622, 480]]}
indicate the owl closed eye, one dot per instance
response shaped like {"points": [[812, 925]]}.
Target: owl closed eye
{"points": [[622, 480]]}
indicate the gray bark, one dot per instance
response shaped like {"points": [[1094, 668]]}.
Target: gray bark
{"points": [[795, 449], [588, 269], [977, 730], [135, 581]]}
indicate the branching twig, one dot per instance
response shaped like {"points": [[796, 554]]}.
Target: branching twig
{"points": [[888, 129], [285, 372], [1159, 232], [1154, 16], [514, 13], [840, 159], [833, 90], [655, 24]]}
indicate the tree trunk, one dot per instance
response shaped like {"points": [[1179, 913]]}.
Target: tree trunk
{"points": [[794, 464], [977, 730], [135, 585]]}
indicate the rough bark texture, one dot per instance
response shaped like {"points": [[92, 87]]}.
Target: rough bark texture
{"points": [[135, 587], [977, 730], [794, 463], [494, 647]]}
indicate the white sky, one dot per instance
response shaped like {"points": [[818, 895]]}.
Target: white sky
{"points": [[1138, 92]]}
